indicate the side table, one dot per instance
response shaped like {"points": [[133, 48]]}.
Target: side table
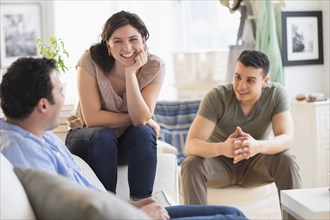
{"points": [[311, 203]]}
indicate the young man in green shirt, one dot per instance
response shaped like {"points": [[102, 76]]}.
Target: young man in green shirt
{"points": [[241, 134]]}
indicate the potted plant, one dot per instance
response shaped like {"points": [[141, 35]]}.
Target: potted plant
{"points": [[55, 50]]}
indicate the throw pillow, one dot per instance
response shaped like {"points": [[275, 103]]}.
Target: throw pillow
{"points": [[174, 119], [56, 197]]}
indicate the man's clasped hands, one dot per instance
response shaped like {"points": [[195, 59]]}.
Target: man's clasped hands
{"points": [[242, 146]]}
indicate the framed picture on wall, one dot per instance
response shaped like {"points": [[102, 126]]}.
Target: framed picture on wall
{"points": [[20, 28], [302, 38]]}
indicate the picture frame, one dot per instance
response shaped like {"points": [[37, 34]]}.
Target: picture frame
{"points": [[21, 25], [302, 38]]}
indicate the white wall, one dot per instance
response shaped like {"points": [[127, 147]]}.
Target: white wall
{"points": [[310, 78], [79, 24]]}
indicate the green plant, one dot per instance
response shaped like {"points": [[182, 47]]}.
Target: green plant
{"points": [[55, 50]]}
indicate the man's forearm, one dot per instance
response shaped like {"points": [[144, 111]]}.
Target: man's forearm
{"points": [[196, 147], [275, 145]]}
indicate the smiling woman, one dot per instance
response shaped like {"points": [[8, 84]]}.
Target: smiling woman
{"points": [[118, 86]]}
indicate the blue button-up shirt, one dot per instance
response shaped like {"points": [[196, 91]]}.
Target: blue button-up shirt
{"points": [[22, 148]]}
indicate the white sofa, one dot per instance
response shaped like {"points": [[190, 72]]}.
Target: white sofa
{"points": [[16, 205], [261, 202]]}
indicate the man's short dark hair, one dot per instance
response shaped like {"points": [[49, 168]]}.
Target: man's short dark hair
{"points": [[256, 59], [26, 81]]}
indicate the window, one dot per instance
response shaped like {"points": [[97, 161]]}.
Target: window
{"points": [[205, 26]]}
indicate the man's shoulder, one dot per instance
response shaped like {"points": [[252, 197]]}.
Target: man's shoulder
{"points": [[21, 151], [275, 85], [27, 151], [276, 89], [275, 97], [221, 88], [218, 97], [18, 141], [11, 135], [221, 91]]}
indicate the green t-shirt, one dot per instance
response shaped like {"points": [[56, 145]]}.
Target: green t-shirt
{"points": [[221, 106]]}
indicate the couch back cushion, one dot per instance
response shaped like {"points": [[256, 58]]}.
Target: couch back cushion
{"points": [[14, 203], [175, 118]]}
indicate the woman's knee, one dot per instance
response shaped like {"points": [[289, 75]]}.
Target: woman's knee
{"points": [[103, 147], [102, 137], [142, 132], [140, 137]]}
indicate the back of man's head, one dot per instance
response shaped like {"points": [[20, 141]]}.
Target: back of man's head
{"points": [[256, 59], [26, 81]]}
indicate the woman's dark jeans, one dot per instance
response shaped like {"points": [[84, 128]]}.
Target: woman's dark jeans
{"points": [[204, 212], [103, 151]]}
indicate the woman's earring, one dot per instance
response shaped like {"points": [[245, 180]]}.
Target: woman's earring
{"points": [[109, 53]]}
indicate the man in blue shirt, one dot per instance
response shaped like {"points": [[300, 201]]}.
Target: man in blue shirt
{"points": [[31, 98]]}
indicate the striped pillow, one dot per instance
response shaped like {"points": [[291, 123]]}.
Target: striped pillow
{"points": [[175, 118]]}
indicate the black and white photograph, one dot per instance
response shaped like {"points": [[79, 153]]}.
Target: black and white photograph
{"points": [[21, 26], [302, 38]]}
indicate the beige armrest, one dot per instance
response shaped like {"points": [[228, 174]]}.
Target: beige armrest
{"points": [[165, 148], [167, 176]]}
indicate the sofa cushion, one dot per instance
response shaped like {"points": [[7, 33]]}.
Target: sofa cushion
{"points": [[14, 203], [56, 197], [260, 202], [175, 118]]}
